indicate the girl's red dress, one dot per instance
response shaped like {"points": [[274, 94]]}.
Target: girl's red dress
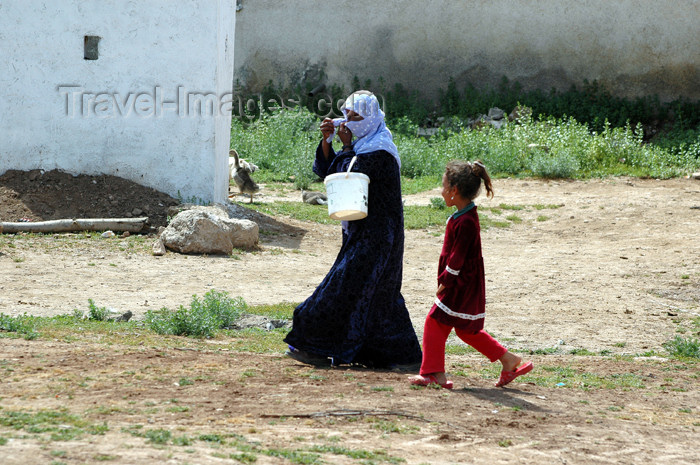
{"points": [[461, 270]]}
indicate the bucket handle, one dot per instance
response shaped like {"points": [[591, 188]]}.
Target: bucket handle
{"points": [[352, 162]]}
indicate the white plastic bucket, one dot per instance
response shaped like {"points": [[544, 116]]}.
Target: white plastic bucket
{"points": [[347, 195]]}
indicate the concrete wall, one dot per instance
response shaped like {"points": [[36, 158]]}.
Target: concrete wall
{"points": [[633, 47], [126, 113]]}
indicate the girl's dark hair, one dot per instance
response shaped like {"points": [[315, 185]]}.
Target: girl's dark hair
{"points": [[467, 177]]}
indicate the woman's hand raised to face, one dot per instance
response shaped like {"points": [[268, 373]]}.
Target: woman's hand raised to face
{"points": [[327, 128]]}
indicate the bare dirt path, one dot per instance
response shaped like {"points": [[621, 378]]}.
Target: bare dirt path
{"points": [[615, 267], [612, 265]]}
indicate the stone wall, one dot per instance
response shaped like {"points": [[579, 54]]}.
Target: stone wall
{"points": [[632, 47]]}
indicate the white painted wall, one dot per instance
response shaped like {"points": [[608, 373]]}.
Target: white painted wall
{"points": [[633, 47], [151, 51]]}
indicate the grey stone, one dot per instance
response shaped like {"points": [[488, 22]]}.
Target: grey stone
{"points": [[496, 114], [158, 248], [314, 198], [247, 321], [209, 230]]}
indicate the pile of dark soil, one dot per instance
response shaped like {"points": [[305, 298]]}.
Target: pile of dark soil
{"points": [[39, 195]]}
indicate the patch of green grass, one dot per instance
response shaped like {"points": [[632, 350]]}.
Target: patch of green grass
{"points": [[415, 216], [679, 347], [281, 311], [459, 349], [366, 456], [298, 457], [539, 206], [203, 318], [581, 352], [544, 351], [244, 457], [23, 325], [215, 438], [390, 426], [383, 389], [296, 210], [257, 340], [282, 142], [438, 203], [563, 376], [58, 424], [420, 184], [504, 206], [183, 440], [3, 440], [514, 218], [541, 218], [98, 429], [158, 436], [423, 217]]}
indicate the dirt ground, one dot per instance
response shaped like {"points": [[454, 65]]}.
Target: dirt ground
{"points": [[602, 265]]}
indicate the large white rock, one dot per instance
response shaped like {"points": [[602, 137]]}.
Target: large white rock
{"points": [[209, 230]]}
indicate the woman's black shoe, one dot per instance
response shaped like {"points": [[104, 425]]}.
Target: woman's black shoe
{"points": [[308, 358]]}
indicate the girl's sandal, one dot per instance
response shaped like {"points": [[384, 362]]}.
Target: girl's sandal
{"points": [[508, 376]]}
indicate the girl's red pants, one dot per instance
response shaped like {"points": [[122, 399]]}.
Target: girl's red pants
{"points": [[435, 336]]}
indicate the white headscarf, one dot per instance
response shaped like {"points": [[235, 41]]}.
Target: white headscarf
{"points": [[371, 133]]}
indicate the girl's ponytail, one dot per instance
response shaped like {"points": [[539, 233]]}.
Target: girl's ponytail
{"points": [[479, 169], [467, 177]]}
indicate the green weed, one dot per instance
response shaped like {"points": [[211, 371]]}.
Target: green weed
{"points": [[283, 145], [438, 203], [389, 426], [202, 319], [96, 313], [680, 347], [23, 325], [581, 352], [58, 424], [215, 438], [244, 457], [158, 436]]}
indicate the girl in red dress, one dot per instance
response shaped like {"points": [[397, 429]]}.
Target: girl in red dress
{"points": [[461, 301]]}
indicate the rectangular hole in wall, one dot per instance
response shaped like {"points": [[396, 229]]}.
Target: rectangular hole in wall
{"points": [[91, 48]]}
